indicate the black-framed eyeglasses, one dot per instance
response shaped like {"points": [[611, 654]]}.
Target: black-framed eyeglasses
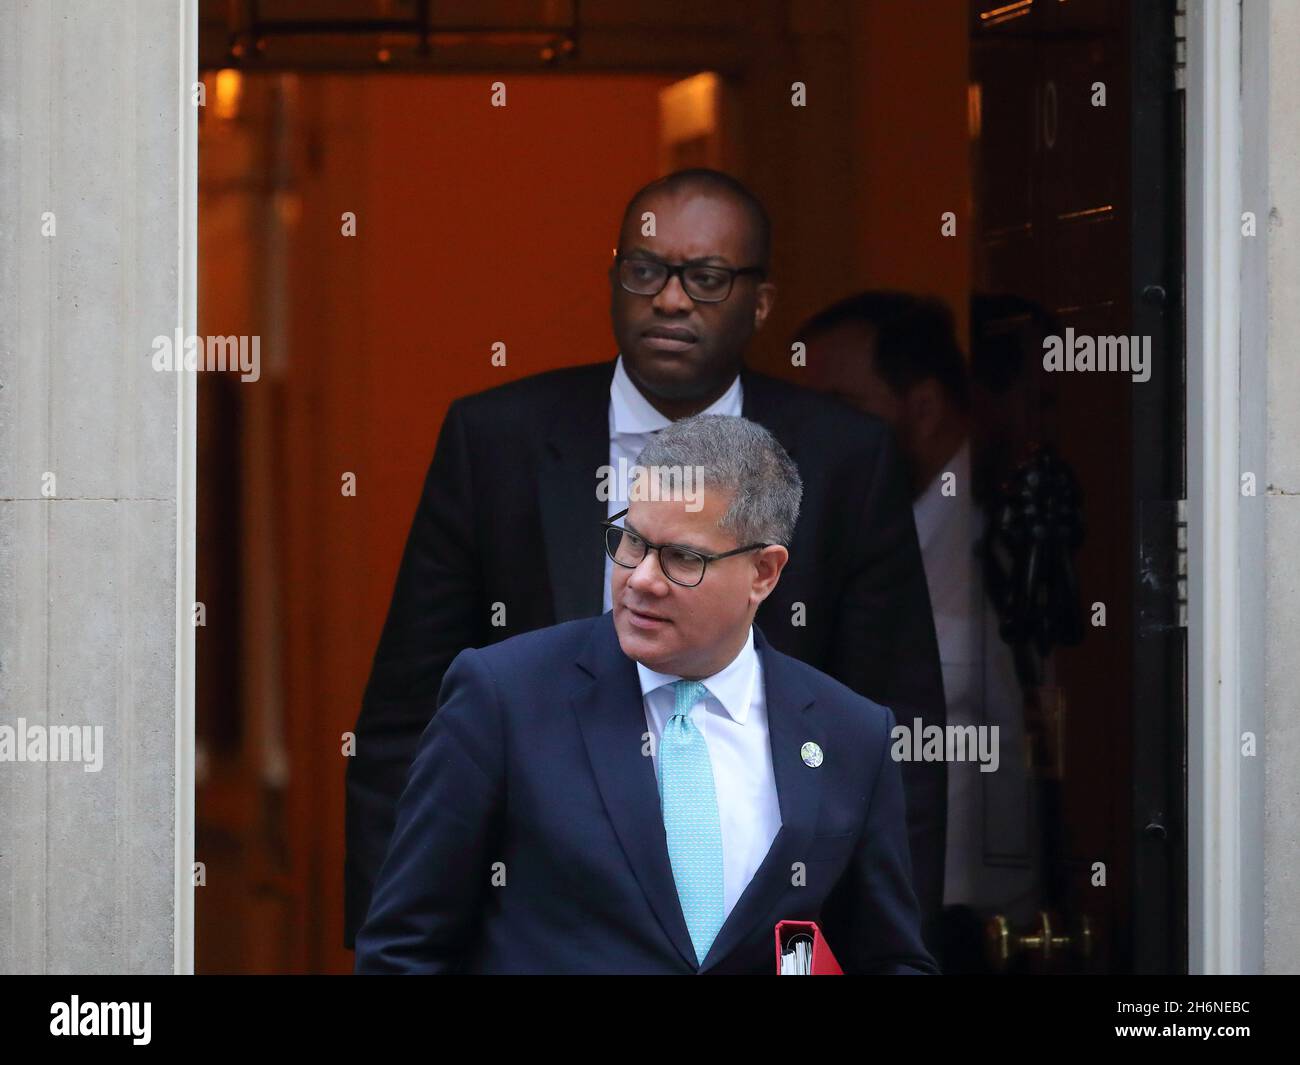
{"points": [[702, 282], [681, 565]]}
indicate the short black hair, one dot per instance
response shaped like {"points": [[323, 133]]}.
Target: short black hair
{"points": [[701, 178], [915, 339]]}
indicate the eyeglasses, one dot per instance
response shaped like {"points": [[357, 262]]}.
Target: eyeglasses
{"points": [[704, 284], [681, 565]]}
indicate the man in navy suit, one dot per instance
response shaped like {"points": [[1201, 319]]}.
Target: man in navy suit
{"points": [[653, 789]]}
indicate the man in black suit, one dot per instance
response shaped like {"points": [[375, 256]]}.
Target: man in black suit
{"points": [[501, 542]]}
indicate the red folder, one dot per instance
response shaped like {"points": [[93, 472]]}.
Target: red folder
{"points": [[823, 961]]}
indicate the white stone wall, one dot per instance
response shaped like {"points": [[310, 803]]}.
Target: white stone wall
{"points": [[1281, 740], [89, 131]]}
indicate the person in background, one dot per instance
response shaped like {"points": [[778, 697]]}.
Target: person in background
{"points": [[896, 355]]}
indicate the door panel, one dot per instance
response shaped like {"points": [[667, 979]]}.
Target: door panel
{"points": [[1077, 225]]}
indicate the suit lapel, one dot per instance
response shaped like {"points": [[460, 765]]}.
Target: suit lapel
{"points": [[791, 722], [577, 445], [611, 715]]}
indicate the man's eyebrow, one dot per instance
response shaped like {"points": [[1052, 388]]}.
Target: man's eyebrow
{"points": [[646, 253], [685, 547]]}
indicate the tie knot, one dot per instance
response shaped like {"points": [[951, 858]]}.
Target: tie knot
{"points": [[688, 692]]}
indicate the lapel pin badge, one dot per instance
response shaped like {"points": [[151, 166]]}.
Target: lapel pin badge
{"points": [[811, 754]]}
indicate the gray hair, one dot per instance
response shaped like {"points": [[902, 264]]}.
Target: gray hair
{"points": [[743, 458]]}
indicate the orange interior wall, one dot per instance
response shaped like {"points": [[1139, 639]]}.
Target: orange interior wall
{"points": [[481, 225], [474, 225], [912, 157]]}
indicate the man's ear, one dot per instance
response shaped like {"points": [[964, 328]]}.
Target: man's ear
{"points": [[924, 408], [768, 564], [765, 297]]}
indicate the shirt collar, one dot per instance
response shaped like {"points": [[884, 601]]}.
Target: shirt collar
{"points": [[732, 685], [631, 412]]}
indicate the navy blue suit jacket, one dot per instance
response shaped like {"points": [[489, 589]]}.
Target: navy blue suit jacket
{"points": [[529, 836]]}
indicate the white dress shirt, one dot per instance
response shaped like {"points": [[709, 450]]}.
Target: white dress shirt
{"points": [[632, 421], [732, 718], [990, 862]]}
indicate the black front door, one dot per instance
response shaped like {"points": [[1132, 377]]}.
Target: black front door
{"points": [[1078, 363]]}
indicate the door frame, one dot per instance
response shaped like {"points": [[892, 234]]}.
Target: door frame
{"points": [[1226, 94], [187, 392], [1225, 803]]}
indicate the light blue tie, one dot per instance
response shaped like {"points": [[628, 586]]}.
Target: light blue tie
{"points": [[691, 821]]}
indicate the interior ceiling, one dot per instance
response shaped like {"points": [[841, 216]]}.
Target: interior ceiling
{"points": [[477, 34]]}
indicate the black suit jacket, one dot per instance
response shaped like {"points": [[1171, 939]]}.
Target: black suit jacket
{"points": [[506, 539], [530, 837]]}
